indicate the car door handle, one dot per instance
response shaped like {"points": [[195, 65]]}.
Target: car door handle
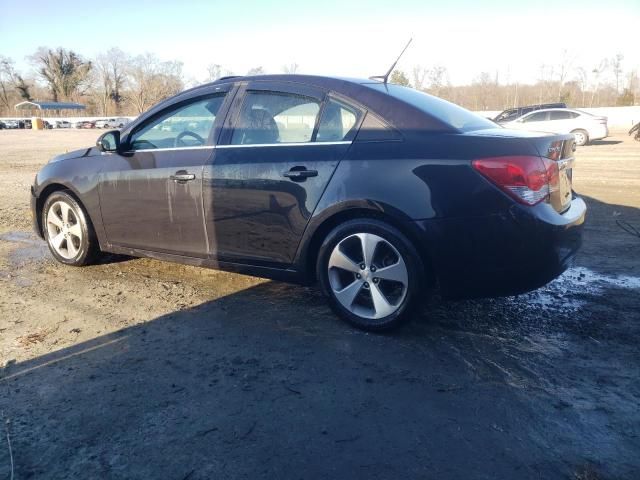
{"points": [[182, 176], [300, 173]]}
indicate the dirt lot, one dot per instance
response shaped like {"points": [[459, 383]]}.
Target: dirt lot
{"points": [[139, 369]]}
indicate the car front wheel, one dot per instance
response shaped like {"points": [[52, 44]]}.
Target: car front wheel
{"points": [[67, 230], [371, 274]]}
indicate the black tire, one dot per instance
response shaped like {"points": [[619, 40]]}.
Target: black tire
{"points": [[88, 248], [404, 247], [582, 135]]}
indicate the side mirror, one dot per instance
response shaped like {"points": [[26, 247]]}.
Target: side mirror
{"points": [[109, 141]]}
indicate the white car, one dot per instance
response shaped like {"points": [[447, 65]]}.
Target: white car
{"points": [[584, 126], [61, 124], [112, 123]]}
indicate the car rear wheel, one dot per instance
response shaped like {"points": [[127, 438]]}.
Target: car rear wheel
{"points": [[371, 274], [581, 136], [67, 230]]}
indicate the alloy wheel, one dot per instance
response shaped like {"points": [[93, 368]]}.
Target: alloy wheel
{"points": [[368, 276], [580, 138], [64, 230]]}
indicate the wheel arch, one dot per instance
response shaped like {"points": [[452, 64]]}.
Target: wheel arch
{"points": [[46, 193], [310, 247]]}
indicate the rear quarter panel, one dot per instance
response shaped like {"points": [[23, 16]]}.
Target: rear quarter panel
{"points": [[424, 177]]}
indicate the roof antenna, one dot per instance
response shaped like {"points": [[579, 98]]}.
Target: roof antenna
{"points": [[385, 77]]}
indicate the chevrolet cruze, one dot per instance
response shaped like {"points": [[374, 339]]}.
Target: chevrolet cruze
{"points": [[378, 193]]}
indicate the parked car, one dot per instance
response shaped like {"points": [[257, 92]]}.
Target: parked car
{"points": [[584, 126], [27, 123], [112, 123], [393, 193], [514, 113], [61, 124], [11, 124], [84, 124], [2, 127]]}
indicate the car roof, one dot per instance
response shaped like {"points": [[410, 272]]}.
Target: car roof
{"points": [[554, 110], [370, 94]]}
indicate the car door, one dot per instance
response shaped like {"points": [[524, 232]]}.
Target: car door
{"points": [[561, 120], [278, 151], [151, 192]]}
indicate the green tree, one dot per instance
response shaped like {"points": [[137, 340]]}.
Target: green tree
{"points": [[399, 78]]}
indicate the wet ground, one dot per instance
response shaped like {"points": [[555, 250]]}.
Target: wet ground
{"points": [[140, 369]]}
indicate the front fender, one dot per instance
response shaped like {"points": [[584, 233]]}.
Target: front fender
{"points": [[79, 175]]}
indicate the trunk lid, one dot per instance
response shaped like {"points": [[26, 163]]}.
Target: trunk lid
{"points": [[560, 149]]}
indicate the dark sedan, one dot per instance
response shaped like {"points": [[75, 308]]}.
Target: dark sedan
{"points": [[378, 192]]}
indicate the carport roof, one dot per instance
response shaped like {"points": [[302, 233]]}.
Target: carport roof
{"points": [[49, 106]]}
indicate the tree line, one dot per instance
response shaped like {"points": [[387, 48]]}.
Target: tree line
{"points": [[116, 83]]}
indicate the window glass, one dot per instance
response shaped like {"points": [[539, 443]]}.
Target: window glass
{"points": [[536, 117], [449, 113], [561, 115], [268, 117], [337, 123], [186, 126]]}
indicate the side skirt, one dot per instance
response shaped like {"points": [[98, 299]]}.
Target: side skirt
{"points": [[282, 275]]}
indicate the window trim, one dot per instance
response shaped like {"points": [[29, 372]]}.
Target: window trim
{"points": [[361, 113]]}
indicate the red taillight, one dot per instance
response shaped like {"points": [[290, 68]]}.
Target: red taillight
{"points": [[528, 179]]}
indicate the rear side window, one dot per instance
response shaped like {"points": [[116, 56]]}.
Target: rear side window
{"points": [[448, 113], [338, 122], [562, 115], [270, 117], [536, 117]]}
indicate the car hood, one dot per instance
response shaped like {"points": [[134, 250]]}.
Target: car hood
{"points": [[83, 152]]}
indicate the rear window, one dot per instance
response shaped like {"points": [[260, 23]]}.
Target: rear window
{"points": [[449, 113]]}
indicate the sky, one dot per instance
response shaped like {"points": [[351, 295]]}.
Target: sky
{"points": [[347, 38]]}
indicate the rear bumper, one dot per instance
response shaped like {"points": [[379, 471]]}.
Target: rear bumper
{"points": [[599, 132], [507, 254]]}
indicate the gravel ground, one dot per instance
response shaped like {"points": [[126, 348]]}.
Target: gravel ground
{"points": [[140, 369]]}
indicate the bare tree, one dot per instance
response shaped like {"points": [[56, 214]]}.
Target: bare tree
{"points": [[110, 74], [12, 86], [564, 67], [214, 72], [419, 73], [437, 77], [583, 80], [255, 71], [65, 72], [6, 81], [151, 81], [291, 68], [597, 72], [616, 67]]}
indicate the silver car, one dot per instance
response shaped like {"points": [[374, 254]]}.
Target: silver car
{"points": [[584, 126]]}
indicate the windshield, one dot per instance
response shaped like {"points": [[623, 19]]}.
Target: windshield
{"points": [[447, 112]]}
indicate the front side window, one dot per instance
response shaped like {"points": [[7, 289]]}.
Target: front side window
{"points": [[338, 122], [268, 117], [186, 126]]}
